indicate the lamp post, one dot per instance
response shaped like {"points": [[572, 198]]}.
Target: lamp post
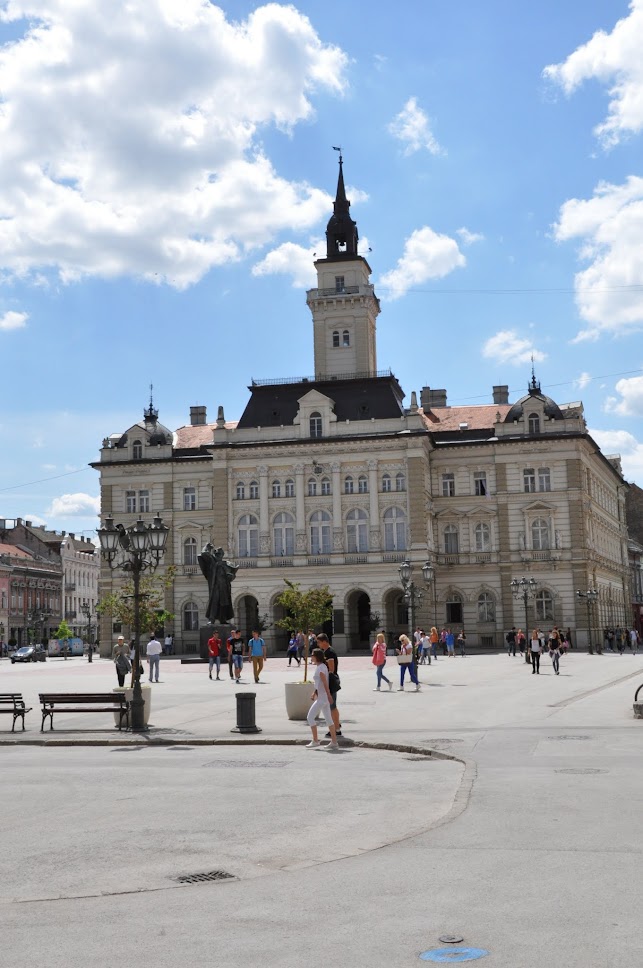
{"points": [[412, 594], [86, 609], [35, 620], [143, 546], [591, 598], [2, 645], [524, 588]]}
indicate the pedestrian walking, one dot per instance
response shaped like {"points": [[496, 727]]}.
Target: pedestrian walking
{"points": [[554, 651], [153, 653], [214, 653], [450, 640], [535, 649], [321, 703], [443, 641], [257, 650], [379, 661], [236, 655], [122, 664], [301, 642], [292, 651], [334, 682], [568, 637], [510, 639], [634, 641], [228, 643], [620, 640], [521, 641], [405, 661], [425, 645], [462, 642], [435, 638]]}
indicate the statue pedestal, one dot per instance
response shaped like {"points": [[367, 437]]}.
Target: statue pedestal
{"points": [[205, 633]]}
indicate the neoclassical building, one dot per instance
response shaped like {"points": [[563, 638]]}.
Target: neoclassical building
{"points": [[332, 479]]}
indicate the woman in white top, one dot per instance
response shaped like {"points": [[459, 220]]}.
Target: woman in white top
{"points": [[406, 649], [322, 700], [535, 647]]}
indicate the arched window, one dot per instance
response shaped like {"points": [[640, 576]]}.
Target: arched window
{"points": [[540, 535], [454, 609], [312, 487], [137, 450], [482, 533], [544, 607], [335, 339], [241, 491], [346, 338], [254, 490], [394, 530], [533, 423], [451, 540], [290, 488], [348, 485], [189, 551], [400, 482], [276, 488], [325, 486], [190, 617], [283, 532], [356, 531], [320, 533], [248, 535], [486, 608], [316, 424], [362, 484], [386, 483]]}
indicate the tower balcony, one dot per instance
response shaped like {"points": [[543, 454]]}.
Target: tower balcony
{"points": [[335, 293]]}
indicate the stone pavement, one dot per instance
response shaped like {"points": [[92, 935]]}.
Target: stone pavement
{"points": [[530, 848]]}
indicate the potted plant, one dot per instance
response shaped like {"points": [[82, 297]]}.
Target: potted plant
{"points": [[303, 611]]}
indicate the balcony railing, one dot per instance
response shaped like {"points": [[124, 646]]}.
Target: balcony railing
{"points": [[247, 562], [319, 560], [393, 557], [355, 559], [70, 586], [281, 562], [189, 569]]}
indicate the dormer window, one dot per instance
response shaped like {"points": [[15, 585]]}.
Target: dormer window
{"points": [[137, 450], [534, 423], [315, 424], [335, 339]]}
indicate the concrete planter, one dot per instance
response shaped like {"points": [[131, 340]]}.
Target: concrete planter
{"points": [[638, 710], [147, 699], [298, 699]]}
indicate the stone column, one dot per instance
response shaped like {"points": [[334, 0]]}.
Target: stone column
{"points": [[338, 530], [300, 512], [264, 517], [374, 543]]}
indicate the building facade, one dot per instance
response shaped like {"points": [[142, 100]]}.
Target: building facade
{"points": [[332, 479]]}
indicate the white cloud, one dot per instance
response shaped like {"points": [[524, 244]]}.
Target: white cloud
{"points": [[507, 347], [609, 295], [13, 320], [69, 505], [427, 255], [130, 135], [467, 237], [583, 380], [293, 260], [615, 59], [623, 443], [34, 518], [413, 128], [631, 398]]}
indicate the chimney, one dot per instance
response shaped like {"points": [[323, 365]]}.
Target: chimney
{"points": [[71, 534], [28, 524], [220, 418], [501, 394], [198, 416], [414, 401], [433, 398]]}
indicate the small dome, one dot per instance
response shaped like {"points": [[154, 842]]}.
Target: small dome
{"points": [[550, 407]]}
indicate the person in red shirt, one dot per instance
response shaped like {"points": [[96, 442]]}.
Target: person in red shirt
{"points": [[214, 652]]}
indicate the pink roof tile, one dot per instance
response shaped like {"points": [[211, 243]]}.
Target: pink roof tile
{"points": [[9, 549], [477, 418]]}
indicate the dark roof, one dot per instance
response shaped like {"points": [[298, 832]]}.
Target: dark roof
{"points": [[551, 408], [275, 404]]}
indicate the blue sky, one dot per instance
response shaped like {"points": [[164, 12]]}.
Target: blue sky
{"points": [[166, 175]]}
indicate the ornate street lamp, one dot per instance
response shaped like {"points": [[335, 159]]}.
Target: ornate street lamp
{"points": [[524, 588], [412, 594], [591, 597], [86, 609], [143, 546]]}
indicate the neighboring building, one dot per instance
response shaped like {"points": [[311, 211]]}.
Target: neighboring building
{"points": [[634, 514], [34, 595], [331, 479], [5, 597]]}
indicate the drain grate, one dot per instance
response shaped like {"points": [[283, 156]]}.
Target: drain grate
{"points": [[208, 876], [587, 771], [248, 764]]}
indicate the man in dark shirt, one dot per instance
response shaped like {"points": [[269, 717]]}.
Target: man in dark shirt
{"points": [[331, 660], [237, 645], [511, 640]]}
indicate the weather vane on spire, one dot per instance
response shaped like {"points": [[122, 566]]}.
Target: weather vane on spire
{"points": [[338, 148], [151, 413]]}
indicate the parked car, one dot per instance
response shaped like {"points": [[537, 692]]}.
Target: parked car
{"points": [[29, 653]]}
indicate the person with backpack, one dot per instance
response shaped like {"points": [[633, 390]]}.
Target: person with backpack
{"points": [[379, 661], [334, 683], [510, 639]]}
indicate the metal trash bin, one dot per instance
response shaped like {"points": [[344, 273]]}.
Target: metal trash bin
{"points": [[246, 713]]}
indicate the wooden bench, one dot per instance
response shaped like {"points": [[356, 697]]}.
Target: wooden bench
{"points": [[13, 704], [84, 702]]}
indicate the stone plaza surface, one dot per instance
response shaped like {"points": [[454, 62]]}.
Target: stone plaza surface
{"points": [[528, 844]]}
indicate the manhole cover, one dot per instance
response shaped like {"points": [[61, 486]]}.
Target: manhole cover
{"points": [[581, 772], [451, 939], [200, 878], [570, 737], [248, 764]]}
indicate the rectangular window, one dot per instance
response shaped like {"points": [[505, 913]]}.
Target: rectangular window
{"points": [[143, 501], [386, 483], [312, 488], [130, 501], [320, 539], [394, 536], [448, 485], [290, 488], [362, 485], [21, 600], [254, 490], [325, 486], [529, 480], [189, 499], [480, 483], [13, 598], [544, 479], [248, 542], [357, 538], [339, 283]]}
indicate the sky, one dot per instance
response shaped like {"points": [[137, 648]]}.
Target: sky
{"points": [[167, 172]]}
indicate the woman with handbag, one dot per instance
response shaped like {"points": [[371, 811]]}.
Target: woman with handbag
{"points": [[405, 661], [322, 699], [379, 661]]}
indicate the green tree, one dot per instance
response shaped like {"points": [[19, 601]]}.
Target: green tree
{"points": [[305, 611], [63, 631], [152, 615]]}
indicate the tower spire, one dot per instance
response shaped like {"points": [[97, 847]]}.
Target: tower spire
{"points": [[534, 386], [150, 414], [341, 231]]}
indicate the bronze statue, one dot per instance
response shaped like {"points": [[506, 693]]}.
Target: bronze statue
{"points": [[219, 574]]}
